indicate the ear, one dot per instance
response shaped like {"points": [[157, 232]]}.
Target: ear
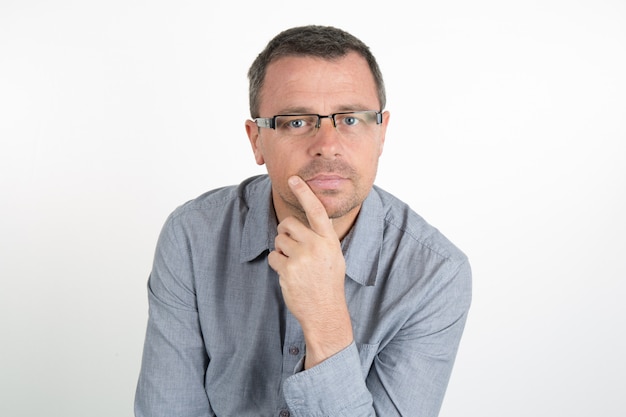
{"points": [[252, 130], [386, 116]]}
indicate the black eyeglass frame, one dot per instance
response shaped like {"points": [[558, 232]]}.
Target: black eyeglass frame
{"points": [[270, 122]]}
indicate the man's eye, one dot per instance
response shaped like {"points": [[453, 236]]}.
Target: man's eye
{"points": [[350, 120], [296, 123]]}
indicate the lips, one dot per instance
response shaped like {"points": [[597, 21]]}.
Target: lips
{"points": [[326, 181]]}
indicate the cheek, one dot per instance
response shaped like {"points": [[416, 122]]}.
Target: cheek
{"points": [[266, 152], [281, 157], [277, 165], [368, 164], [370, 154]]}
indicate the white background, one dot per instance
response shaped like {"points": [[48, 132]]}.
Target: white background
{"points": [[508, 133]]}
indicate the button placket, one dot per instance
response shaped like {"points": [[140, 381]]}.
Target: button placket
{"points": [[293, 349]]}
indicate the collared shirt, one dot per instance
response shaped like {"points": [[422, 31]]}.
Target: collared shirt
{"points": [[221, 342]]}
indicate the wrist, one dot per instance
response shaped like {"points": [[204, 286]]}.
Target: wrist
{"points": [[327, 339]]}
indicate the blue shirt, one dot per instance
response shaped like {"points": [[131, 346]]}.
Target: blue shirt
{"points": [[221, 342]]}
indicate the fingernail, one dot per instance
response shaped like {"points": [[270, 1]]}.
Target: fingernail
{"points": [[294, 180]]}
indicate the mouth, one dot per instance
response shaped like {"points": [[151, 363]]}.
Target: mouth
{"points": [[326, 181]]}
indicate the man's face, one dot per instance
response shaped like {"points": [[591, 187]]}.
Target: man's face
{"points": [[340, 170]]}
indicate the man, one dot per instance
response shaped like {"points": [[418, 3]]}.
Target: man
{"points": [[308, 291]]}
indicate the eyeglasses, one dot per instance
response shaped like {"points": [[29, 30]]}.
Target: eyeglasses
{"points": [[349, 124]]}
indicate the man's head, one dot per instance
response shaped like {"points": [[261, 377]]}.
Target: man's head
{"points": [[302, 86], [324, 42]]}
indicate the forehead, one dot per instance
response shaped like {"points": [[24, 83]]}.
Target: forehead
{"points": [[319, 85]]}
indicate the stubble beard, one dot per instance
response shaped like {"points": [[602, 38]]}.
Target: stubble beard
{"points": [[339, 205], [340, 208]]}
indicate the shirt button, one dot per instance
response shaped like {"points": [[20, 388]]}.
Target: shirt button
{"points": [[293, 350], [284, 413]]}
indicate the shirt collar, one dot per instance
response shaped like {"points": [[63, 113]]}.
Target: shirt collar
{"points": [[259, 229], [361, 246]]}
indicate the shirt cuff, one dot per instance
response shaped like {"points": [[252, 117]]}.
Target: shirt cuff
{"points": [[332, 387]]}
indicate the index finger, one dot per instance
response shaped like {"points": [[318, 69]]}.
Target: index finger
{"points": [[315, 211]]}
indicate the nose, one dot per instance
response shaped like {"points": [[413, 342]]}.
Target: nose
{"points": [[327, 142]]}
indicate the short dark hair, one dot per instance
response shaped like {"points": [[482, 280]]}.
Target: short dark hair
{"points": [[325, 42]]}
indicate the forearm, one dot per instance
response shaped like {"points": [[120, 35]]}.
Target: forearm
{"points": [[326, 335]]}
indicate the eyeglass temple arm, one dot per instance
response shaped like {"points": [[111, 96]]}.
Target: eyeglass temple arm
{"points": [[265, 122]]}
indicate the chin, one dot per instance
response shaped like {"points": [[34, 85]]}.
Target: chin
{"points": [[338, 209]]}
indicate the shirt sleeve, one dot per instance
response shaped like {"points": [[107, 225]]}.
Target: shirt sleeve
{"points": [[171, 379], [409, 374], [335, 387]]}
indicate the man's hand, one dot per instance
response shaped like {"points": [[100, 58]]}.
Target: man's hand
{"points": [[311, 268]]}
